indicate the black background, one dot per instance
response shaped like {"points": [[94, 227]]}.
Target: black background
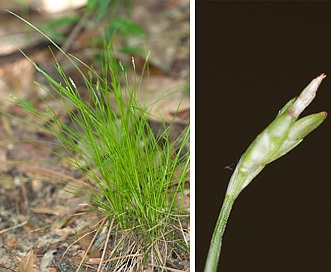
{"points": [[251, 58]]}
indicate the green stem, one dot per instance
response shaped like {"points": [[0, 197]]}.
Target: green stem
{"points": [[216, 240]]}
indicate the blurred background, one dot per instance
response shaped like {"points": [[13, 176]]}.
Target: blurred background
{"points": [[77, 26], [252, 57]]}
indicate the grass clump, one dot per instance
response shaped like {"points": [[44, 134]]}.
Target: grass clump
{"points": [[132, 171]]}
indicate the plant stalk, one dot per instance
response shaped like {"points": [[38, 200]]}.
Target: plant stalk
{"points": [[283, 134], [216, 240]]}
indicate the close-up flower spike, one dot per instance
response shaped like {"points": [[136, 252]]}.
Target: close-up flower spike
{"points": [[283, 134]]}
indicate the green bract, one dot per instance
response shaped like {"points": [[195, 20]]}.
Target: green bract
{"points": [[299, 129]]}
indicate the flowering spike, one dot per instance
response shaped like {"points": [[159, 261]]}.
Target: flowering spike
{"points": [[283, 134]]}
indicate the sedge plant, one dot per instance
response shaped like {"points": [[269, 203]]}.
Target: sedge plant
{"points": [[133, 172], [283, 134]]}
